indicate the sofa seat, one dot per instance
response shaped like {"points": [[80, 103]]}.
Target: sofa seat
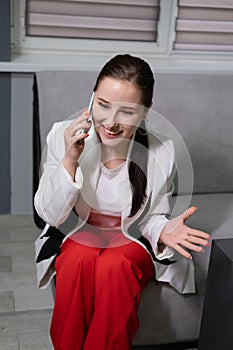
{"points": [[174, 317]]}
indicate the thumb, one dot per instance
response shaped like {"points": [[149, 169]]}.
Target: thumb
{"points": [[189, 212]]}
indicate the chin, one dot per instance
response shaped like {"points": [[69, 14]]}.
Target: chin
{"points": [[111, 142]]}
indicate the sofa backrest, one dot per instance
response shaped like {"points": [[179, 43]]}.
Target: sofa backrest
{"points": [[199, 106]]}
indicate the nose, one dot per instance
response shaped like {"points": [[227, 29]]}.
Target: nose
{"points": [[112, 118]]}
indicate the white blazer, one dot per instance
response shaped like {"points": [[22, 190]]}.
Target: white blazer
{"points": [[58, 194]]}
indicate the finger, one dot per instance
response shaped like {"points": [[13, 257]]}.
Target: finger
{"points": [[82, 128], [182, 251], [78, 138], [199, 233], [84, 116], [78, 122], [189, 212], [197, 240], [193, 247], [79, 128]]}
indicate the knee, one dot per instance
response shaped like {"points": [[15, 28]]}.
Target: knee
{"points": [[118, 275]]}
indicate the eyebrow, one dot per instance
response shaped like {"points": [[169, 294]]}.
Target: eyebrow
{"points": [[103, 100]]}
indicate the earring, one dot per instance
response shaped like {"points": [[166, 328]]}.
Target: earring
{"points": [[143, 128]]}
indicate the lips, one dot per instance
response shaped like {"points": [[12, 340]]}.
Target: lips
{"points": [[111, 133]]}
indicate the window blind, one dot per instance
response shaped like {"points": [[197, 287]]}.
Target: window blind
{"points": [[102, 19], [205, 25]]}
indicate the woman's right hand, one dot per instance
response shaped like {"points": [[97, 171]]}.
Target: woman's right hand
{"points": [[74, 142]]}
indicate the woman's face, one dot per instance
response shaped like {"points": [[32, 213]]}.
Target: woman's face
{"points": [[117, 110]]}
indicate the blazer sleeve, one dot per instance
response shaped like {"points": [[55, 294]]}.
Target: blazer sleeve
{"points": [[57, 192], [179, 275], [161, 168]]}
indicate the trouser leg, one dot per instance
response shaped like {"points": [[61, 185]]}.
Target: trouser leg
{"points": [[121, 274], [75, 294]]}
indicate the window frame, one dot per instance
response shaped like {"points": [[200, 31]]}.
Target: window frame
{"points": [[30, 54], [22, 44]]}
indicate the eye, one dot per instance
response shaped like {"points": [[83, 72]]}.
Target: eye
{"points": [[127, 112], [103, 105]]}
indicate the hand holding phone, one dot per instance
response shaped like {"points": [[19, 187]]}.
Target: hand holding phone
{"points": [[89, 110]]}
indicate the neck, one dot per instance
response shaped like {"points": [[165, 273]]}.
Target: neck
{"points": [[112, 157]]}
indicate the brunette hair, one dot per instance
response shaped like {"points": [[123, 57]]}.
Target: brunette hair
{"points": [[138, 72]]}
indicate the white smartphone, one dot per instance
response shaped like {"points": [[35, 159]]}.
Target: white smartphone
{"points": [[89, 110]]}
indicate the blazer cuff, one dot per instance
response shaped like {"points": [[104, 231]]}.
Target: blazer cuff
{"points": [[167, 252], [78, 183]]}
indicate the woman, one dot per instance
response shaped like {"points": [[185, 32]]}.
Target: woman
{"points": [[118, 179]]}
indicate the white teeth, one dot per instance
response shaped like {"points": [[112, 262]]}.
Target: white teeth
{"points": [[111, 132]]}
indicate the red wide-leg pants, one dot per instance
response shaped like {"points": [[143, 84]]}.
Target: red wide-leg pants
{"points": [[98, 292]]}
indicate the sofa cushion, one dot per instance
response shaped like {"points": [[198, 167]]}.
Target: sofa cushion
{"points": [[173, 317], [199, 106]]}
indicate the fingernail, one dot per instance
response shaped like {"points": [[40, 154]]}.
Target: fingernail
{"points": [[87, 135]]}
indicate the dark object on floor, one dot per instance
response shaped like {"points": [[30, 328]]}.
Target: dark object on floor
{"points": [[217, 320]]}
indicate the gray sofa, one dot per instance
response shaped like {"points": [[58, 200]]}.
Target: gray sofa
{"points": [[200, 108]]}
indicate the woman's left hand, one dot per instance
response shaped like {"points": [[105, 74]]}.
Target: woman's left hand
{"points": [[177, 235]]}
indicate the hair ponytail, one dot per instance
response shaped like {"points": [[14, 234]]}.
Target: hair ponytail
{"points": [[138, 170]]}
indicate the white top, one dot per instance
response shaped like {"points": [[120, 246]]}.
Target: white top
{"points": [[113, 188]]}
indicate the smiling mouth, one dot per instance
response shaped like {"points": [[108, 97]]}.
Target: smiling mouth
{"points": [[112, 133]]}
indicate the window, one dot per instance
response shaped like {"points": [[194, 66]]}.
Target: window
{"points": [[97, 19], [89, 32], [131, 25], [204, 25]]}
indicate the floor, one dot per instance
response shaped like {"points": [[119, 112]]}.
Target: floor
{"points": [[25, 311]]}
